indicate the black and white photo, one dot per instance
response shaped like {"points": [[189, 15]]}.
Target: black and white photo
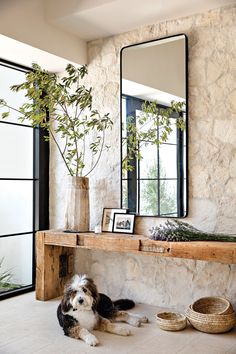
{"points": [[123, 223], [108, 216]]}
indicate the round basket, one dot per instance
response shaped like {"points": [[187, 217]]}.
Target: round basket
{"points": [[171, 321], [211, 323], [212, 305]]}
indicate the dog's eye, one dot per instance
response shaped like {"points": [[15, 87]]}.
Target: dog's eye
{"points": [[84, 290], [73, 293]]}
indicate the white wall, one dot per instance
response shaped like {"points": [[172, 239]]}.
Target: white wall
{"points": [[25, 21]]}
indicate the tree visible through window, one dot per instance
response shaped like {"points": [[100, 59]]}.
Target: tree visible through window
{"points": [[153, 185]]}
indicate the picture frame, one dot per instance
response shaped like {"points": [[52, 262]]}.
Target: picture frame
{"points": [[123, 223], [108, 216]]}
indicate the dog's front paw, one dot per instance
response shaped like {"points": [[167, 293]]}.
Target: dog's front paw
{"points": [[123, 331], [133, 321], [143, 319], [91, 340]]}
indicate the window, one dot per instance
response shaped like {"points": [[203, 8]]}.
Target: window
{"points": [[156, 184], [23, 189]]}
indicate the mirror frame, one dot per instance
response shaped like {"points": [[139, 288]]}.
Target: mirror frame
{"points": [[186, 123]]}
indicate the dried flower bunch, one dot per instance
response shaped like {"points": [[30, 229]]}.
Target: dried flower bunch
{"points": [[179, 231]]}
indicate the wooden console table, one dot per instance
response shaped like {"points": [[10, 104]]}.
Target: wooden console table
{"points": [[55, 248]]}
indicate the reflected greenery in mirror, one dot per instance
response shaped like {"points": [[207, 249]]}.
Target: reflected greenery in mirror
{"points": [[142, 131], [154, 178]]}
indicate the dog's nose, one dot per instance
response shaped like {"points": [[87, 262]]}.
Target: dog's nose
{"points": [[81, 301]]}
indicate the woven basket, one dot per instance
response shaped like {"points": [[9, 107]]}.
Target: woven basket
{"points": [[211, 323], [212, 305], [171, 321]]}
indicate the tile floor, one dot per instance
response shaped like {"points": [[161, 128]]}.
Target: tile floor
{"points": [[28, 326]]}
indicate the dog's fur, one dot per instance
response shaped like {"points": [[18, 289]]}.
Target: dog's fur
{"points": [[83, 309]]}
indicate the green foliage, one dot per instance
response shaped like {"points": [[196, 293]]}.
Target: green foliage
{"points": [[5, 279], [68, 103], [144, 130], [5, 276]]}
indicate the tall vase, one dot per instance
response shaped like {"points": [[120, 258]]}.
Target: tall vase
{"points": [[77, 204]]}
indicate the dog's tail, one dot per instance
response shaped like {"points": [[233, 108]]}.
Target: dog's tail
{"points": [[123, 304]]}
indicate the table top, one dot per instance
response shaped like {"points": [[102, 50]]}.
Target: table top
{"points": [[222, 252]]}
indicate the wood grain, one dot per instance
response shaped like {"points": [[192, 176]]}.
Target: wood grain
{"points": [[53, 243], [112, 243], [222, 252], [77, 204], [48, 283], [61, 239]]}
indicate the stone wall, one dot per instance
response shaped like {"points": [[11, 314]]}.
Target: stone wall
{"points": [[212, 164]]}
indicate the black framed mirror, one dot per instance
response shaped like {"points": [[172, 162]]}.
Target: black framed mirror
{"points": [[154, 74]]}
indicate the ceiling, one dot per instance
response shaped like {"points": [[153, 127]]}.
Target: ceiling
{"points": [[25, 54], [93, 19], [46, 31]]}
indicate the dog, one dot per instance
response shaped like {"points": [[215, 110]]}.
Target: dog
{"points": [[82, 309]]}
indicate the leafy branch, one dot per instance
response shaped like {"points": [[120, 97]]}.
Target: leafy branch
{"points": [[144, 130], [63, 108]]}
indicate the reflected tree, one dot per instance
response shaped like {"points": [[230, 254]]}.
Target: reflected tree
{"points": [[167, 196]]}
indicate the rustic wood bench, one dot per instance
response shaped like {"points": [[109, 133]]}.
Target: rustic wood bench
{"points": [[55, 249]]}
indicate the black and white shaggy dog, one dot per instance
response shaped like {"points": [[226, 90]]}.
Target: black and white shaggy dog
{"points": [[83, 309]]}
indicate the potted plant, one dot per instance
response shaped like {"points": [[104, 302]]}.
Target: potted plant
{"points": [[62, 106]]}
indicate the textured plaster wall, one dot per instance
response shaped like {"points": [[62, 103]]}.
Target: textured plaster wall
{"points": [[212, 164]]}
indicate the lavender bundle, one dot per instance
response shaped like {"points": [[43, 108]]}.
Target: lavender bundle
{"points": [[179, 231]]}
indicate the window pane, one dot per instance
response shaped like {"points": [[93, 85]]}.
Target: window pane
{"points": [[168, 161], [168, 197], [16, 146], [144, 126], [173, 135], [15, 261], [184, 162], [185, 133], [124, 154], [124, 195], [11, 77], [16, 207], [124, 118], [148, 197], [185, 196], [148, 163]]}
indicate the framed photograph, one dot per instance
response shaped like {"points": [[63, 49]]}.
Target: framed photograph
{"points": [[123, 223], [108, 216]]}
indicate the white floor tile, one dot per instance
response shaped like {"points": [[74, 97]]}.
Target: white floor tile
{"points": [[28, 326]]}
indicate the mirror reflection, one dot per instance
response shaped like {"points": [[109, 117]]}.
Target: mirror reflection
{"points": [[154, 127]]}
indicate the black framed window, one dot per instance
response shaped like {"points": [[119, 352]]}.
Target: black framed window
{"points": [[156, 184], [24, 169]]}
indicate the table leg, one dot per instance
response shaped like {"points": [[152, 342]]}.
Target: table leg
{"points": [[49, 282]]}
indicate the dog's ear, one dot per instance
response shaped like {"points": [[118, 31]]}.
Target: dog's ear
{"points": [[95, 302], [65, 303], [93, 289]]}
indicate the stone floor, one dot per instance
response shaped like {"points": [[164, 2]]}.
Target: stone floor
{"points": [[28, 326]]}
